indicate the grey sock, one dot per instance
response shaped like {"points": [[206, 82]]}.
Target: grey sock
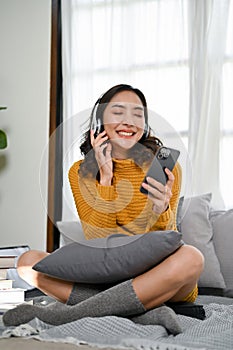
{"points": [[83, 291], [162, 315], [119, 300]]}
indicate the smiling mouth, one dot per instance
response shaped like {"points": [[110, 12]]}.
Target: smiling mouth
{"points": [[125, 133]]}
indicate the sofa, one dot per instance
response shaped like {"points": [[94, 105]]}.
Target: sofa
{"points": [[209, 230]]}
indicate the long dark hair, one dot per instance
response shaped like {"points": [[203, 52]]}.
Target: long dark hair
{"points": [[89, 166]]}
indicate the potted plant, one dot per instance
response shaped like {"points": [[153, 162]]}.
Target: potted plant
{"points": [[3, 137]]}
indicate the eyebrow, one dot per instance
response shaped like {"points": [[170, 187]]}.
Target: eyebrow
{"points": [[122, 106]]}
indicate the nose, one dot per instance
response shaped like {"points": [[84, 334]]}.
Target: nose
{"points": [[128, 118]]}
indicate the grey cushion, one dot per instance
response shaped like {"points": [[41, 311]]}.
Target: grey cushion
{"points": [[179, 213], [197, 231], [223, 243], [70, 231], [111, 259]]}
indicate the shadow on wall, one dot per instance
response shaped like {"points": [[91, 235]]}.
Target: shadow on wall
{"points": [[3, 162]]}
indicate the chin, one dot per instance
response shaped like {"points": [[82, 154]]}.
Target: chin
{"points": [[125, 143]]}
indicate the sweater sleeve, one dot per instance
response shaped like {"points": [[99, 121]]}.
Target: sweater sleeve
{"points": [[167, 220], [95, 204]]}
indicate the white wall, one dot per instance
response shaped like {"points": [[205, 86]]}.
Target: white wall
{"points": [[24, 89]]}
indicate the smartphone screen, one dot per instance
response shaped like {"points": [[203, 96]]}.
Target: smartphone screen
{"points": [[165, 157]]}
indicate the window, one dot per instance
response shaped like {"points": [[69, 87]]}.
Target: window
{"points": [[144, 43], [139, 42]]}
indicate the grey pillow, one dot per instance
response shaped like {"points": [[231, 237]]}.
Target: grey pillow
{"points": [[197, 231], [70, 231], [111, 259], [223, 243], [179, 213]]}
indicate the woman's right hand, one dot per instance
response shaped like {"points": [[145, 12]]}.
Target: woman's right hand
{"points": [[103, 155]]}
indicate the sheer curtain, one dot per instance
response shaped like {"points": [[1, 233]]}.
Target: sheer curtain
{"points": [[208, 28], [173, 50], [226, 144]]}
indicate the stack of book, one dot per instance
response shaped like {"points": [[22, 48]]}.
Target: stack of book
{"points": [[9, 295]]}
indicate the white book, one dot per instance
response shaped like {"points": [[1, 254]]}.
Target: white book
{"points": [[12, 295], [12, 273], [6, 284], [3, 273], [14, 250], [7, 261]]}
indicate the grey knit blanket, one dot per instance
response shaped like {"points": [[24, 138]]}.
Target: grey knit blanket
{"points": [[215, 332]]}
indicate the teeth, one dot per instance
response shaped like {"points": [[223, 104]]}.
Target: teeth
{"points": [[124, 133]]}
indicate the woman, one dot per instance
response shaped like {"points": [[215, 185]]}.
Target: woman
{"points": [[117, 150], [106, 183]]}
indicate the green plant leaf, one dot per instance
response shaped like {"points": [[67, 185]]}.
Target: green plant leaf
{"points": [[3, 140], [3, 108]]}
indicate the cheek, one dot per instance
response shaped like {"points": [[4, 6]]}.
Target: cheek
{"points": [[140, 134], [140, 124], [109, 128]]}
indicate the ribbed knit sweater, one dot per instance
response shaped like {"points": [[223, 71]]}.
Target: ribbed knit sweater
{"points": [[121, 207]]}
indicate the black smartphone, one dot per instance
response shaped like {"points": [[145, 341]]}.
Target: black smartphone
{"points": [[165, 157]]}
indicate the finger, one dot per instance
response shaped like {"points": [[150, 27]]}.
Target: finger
{"points": [[108, 154], [170, 180], [109, 147], [105, 148], [153, 193], [98, 137], [100, 143], [168, 192], [156, 184], [92, 137], [170, 175], [160, 203], [102, 147], [156, 197], [164, 195]]}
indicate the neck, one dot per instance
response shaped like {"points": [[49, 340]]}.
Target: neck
{"points": [[119, 154]]}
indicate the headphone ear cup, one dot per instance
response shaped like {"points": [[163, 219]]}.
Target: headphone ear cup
{"points": [[93, 126], [98, 126], [146, 131], [95, 123]]}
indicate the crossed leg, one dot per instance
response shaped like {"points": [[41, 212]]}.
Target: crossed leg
{"points": [[171, 280]]}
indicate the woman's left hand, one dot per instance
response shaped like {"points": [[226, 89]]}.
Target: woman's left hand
{"points": [[158, 193]]}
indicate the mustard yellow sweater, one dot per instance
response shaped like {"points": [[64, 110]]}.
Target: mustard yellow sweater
{"points": [[121, 207]]}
